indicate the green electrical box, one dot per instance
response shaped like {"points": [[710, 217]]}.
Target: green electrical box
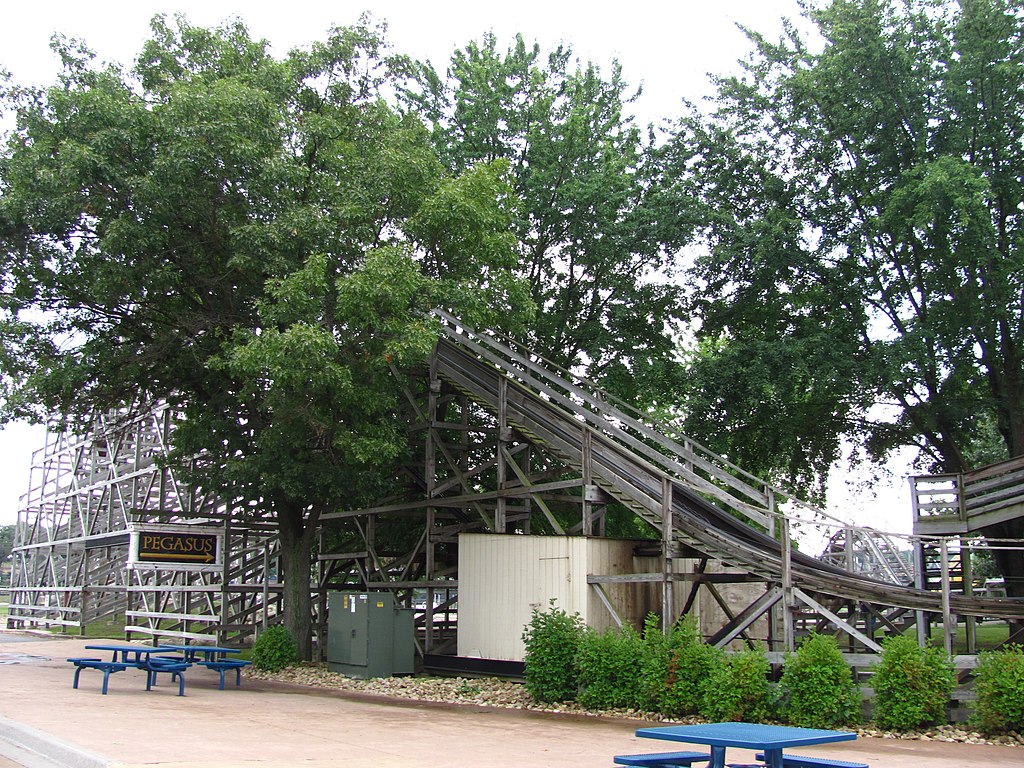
{"points": [[368, 635]]}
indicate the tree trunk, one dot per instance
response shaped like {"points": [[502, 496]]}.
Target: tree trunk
{"points": [[296, 534]]}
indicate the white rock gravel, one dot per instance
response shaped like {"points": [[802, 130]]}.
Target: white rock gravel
{"points": [[492, 692]]}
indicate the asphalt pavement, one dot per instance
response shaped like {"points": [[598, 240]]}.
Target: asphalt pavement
{"points": [[44, 723]]}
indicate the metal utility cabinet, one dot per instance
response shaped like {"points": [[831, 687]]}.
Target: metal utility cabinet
{"points": [[368, 636]]}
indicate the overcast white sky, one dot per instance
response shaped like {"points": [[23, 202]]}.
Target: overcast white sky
{"points": [[668, 48]]}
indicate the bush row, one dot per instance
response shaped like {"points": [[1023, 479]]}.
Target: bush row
{"points": [[678, 675]]}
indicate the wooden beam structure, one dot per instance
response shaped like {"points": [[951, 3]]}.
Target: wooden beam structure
{"points": [[501, 443]]}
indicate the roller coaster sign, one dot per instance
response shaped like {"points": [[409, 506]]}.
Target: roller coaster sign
{"points": [[175, 548]]}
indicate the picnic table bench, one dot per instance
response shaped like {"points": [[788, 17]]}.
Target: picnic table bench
{"points": [[226, 665], [659, 759], [106, 667], [806, 761], [212, 657], [173, 667]]}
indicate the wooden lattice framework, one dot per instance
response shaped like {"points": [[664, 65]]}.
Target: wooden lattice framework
{"points": [[86, 490], [506, 443]]}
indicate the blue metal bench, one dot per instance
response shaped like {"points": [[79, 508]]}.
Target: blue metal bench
{"points": [[224, 665], [805, 761], [173, 667], [658, 759], [106, 667]]}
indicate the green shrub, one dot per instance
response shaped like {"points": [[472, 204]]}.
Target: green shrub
{"points": [[912, 684], [274, 649], [654, 658], [817, 686], [999, 687], [608, 668], [738, 689], [690, 664], [552, 639]]}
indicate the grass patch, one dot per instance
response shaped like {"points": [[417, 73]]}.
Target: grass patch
{"points": [[990, 635], [109, 626]]}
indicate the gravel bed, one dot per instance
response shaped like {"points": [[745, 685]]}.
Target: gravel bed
{"points": [[492, 692]]}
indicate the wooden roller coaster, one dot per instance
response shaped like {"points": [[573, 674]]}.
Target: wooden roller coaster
{"points": [[508, 445]]}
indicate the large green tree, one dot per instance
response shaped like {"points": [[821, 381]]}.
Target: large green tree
{"points": [[863, 204], [6, 541], [596, 236], [253, 239]]}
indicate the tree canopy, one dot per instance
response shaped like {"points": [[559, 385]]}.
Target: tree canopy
{"points": [[861, 204], [596, 237], [862, 207], [255, 240]]}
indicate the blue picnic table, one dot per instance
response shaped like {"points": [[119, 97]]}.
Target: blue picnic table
{"points": [[151, 659], [769, 740], [213, 657], [192, 653], [123, 652]]}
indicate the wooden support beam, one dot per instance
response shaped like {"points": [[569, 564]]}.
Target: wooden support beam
{"points": [[746, 617], [586, 511], [607, 603], [667, 535], [948, 620], [500, 523], [545, 510], [843, 625]]}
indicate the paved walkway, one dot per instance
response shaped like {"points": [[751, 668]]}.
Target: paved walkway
{"points": [[45, 723]]}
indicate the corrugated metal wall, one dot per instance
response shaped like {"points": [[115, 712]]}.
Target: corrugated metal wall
{"points": [[502, 578]]}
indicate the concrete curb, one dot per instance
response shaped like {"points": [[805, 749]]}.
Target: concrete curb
{"points": [[31, 748]]}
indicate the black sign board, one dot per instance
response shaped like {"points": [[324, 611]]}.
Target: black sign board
{"points": [[177, 548]]}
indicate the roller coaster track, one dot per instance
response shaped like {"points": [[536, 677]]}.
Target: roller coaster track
{"points": [[714, 506]]}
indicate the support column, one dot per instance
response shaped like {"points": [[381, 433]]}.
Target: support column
{"points": [[225, 579], [266, 584], [920, 573], [967, 569], [527, 466], [920, 582], [587, 507], [850, 564], [667, 550], [429, 480], [83, 616], [774, 617], [948, 620], [503, 439], [788, 602]]}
